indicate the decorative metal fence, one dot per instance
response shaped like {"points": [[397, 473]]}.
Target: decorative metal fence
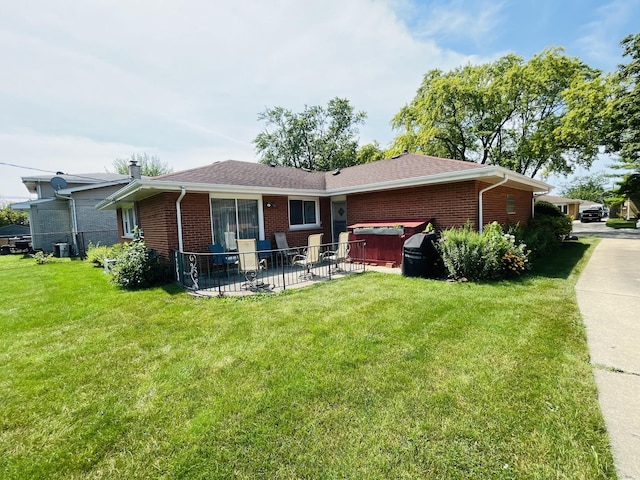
{"points": [[264, 270]]}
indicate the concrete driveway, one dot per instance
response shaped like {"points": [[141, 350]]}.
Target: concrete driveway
{"points": [[608, 294]]}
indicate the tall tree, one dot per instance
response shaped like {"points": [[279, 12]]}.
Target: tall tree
{"points": [[624, 135], [369, 152], [541, 116], [590, 187], [318, 138], [150, 165]]}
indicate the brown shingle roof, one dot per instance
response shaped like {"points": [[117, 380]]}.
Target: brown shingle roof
{"points": [[403, 167], [234, 172]]}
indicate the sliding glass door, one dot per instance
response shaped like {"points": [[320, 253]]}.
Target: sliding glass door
{"points": [[234, 215]]}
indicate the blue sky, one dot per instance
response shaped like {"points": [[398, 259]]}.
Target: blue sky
{"points": [[84, 83]]}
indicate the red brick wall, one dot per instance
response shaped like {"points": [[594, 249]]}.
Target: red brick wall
{"points": [[450, 205], [196, 222], [495, 205], [119, 221], [157, 218], [276, 219]]}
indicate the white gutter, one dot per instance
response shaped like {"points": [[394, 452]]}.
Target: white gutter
{"points": [[501, 182], [130, 191], [183, 192]]}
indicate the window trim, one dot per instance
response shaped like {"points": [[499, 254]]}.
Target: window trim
{"points": [[128, 233], [511, 202], [305, 226], [236, 197]]}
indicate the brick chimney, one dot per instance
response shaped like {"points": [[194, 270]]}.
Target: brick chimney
{"points": [[134, 170]]}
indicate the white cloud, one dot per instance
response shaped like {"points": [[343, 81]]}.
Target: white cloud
{"points": [[474, 21], [86, 82], [601, 39]]}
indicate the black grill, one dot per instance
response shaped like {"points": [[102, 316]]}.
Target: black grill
{"points": [[420, 257]]}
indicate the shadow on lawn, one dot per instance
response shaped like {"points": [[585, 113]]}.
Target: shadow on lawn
{"points": [[172, 288], [560, 263]]}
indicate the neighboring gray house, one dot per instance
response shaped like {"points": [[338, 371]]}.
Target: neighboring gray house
{"points": [[65, 213]]}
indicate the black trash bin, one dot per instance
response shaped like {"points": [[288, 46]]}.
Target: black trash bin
{"points": [[420, 257]]}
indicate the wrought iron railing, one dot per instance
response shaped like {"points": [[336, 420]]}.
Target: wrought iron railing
{"points": [[263, 270]]}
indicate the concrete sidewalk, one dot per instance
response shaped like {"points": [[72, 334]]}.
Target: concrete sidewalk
{"points": [[608, 294]]}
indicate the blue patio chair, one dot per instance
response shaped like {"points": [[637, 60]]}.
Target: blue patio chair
{"points": [[264, 249], [220, 259]]}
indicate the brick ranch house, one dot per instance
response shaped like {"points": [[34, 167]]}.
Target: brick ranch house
{"points": [[188, 210]]}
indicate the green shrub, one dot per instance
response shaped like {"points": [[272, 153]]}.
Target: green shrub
{"points": [[491, 254], [621, 223], [548, 209], [97, 253], [462, 253], [139, 267], [546, 230], [41, 257]]}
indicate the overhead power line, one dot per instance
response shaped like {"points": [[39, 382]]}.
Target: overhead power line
{"points": [[51, 171]]}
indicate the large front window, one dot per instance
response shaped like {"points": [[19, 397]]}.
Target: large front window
{"points": [[303, 213], [234, 218]]}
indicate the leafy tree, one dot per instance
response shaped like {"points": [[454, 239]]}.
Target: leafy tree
{"points": [[150, 165], [318, 138], [590, 187], [624, 135], [370, 152], [13, 217], [546, 115]]}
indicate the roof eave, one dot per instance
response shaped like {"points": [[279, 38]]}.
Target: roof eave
{"points": [[141, 189], [93, 186], [448, 177]]}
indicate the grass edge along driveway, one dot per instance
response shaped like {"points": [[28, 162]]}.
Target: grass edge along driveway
{"points": [[371, 376]]}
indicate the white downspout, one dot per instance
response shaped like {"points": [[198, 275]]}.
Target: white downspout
{"points": [[183, 192], [74, 220], [480, 220], [74, 224]]}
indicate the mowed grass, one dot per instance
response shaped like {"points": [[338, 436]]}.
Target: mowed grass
{"points": [[371, 376]]}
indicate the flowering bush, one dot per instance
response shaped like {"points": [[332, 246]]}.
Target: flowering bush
{"points": [[41, 258], [491, 254], [139, 267]]}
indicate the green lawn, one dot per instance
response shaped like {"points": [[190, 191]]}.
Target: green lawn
{"points": [[371, 376]]}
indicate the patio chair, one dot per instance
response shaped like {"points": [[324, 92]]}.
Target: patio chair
{"points": [[310, 257], [220, 259], [338, 256], [230, 241], [286, 252], [264, 250], [249, 264]]}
